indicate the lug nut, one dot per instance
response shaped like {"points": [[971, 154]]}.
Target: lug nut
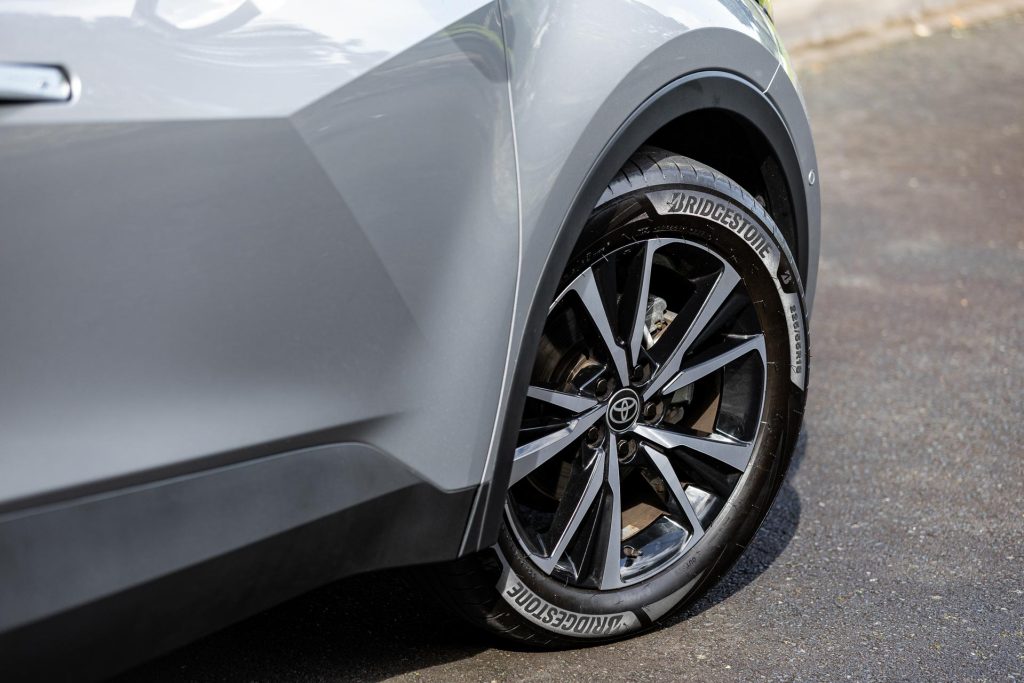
{"points": [[593, 436], [651, 411], [601, 388], [641, 373], [627, 449]]}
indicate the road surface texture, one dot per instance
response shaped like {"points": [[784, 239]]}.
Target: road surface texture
{"points": [[896, 549], [808, 22]]}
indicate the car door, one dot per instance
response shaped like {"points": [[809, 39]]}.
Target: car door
{"points": [[250, 227]]}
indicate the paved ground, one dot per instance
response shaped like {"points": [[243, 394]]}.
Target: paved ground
{"points": [[896, 550], [802, 22]]}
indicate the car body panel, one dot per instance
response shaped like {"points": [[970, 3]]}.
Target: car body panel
{"points": [[206, 278], [161, 60], [281, 268]]}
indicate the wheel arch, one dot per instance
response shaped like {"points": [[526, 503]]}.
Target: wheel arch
{"points": [[664, 118]]}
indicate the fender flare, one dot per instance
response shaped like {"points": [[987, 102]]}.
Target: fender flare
{"points": [[702, 90]]}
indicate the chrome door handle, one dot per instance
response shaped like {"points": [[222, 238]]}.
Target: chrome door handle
{"points": [[33, 83]]}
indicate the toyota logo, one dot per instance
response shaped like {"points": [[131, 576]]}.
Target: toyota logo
{"points": [[623, 410]]}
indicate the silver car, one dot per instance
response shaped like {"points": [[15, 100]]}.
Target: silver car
{"points": [[293, 289]]}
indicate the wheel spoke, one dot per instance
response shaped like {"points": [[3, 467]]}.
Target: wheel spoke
{"points": [[643, 290], [715, 359], [576, 514], [611, 572], [667, 473], [589, 293], [735, 454], [572, 402], [716, 296], [532, 455]]}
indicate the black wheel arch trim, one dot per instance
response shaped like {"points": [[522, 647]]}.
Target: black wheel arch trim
{"points": [[702, 90]]}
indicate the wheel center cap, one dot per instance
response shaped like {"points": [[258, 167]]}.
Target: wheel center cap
{"points": [[623, 410]]}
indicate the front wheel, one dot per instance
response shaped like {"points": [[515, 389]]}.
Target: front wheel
{"points": [[664, 405]]}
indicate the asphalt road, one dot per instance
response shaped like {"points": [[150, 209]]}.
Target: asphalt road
{"points": [[896, 549]]}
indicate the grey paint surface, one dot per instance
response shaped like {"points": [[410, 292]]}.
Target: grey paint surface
{"points": [[264, 226], [206, 274]]}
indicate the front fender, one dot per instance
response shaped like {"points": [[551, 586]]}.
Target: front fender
{"points": [[582, 104]]}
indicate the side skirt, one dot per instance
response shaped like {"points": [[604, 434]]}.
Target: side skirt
{"points": [[94, 586]]}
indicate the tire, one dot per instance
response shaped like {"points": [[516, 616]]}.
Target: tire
{"points": [[562, 574]]}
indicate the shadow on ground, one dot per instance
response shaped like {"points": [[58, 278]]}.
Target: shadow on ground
{"points": [[369, 627]]}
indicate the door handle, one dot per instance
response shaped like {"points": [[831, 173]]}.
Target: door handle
{"points": [[23, 83]]}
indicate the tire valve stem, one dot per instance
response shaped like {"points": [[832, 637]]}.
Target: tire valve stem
{"points": [[631, 552]]}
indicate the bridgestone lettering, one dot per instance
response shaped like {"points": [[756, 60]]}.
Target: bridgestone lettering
{"points": [[553, 618], [797, 326], [680, 202], [797, 338]]}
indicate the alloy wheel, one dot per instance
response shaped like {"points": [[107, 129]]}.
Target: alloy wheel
{"points": [[643, 412]]}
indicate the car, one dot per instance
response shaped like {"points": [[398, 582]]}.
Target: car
{"points": [[517, 291]]}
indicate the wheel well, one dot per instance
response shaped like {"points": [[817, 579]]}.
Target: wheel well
{"points": [[700, 123], [733, 145]]}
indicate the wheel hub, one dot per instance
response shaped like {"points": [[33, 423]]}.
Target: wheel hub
{"points": [[623, 410]]}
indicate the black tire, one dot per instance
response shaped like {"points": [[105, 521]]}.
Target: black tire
{"points": [[658, 194]]}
